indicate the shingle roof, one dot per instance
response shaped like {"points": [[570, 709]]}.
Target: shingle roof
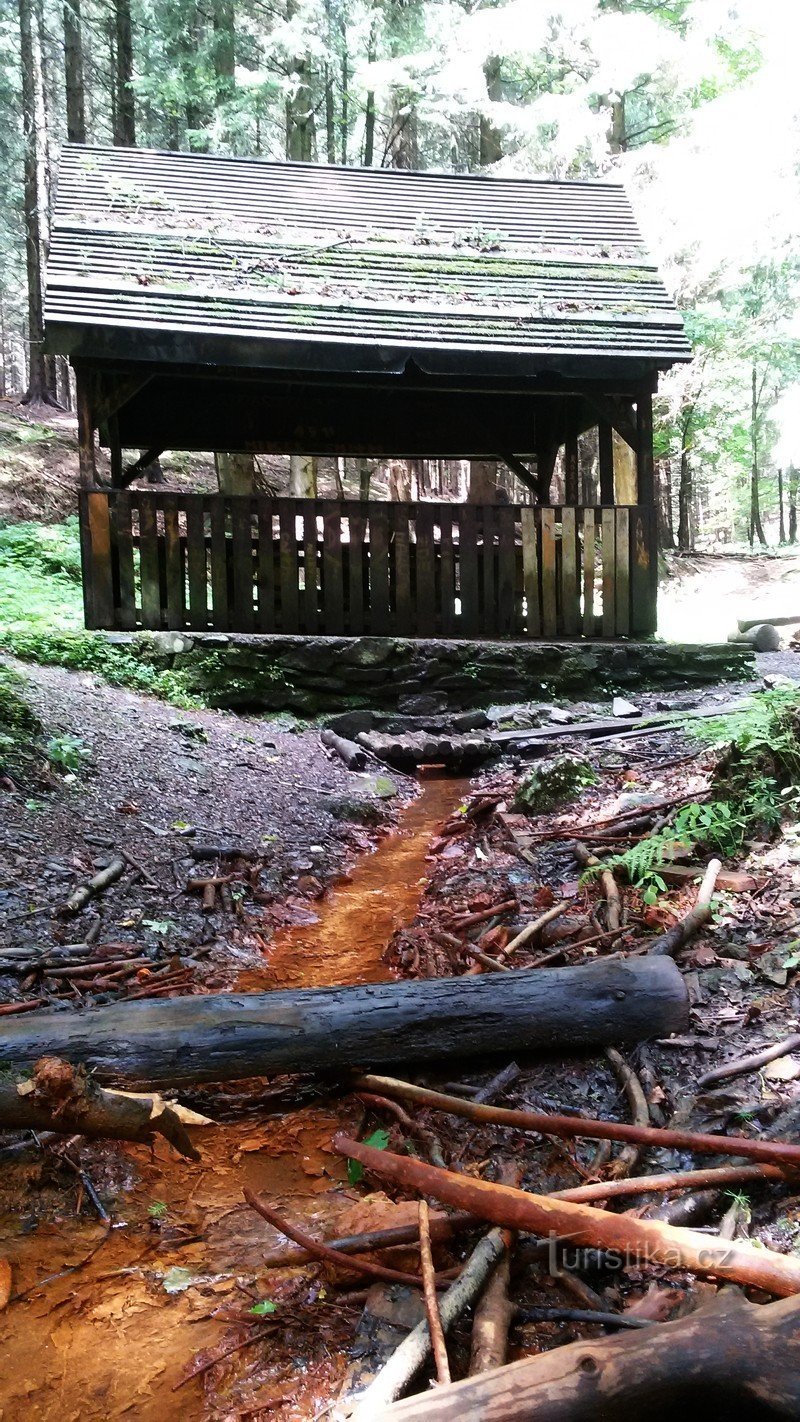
{"points": [[176, 255]]}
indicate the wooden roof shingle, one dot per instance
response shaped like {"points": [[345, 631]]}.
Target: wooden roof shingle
{"points": [[191, 257]]}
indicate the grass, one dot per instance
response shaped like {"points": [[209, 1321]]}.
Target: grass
{"points": [[41, 615]]}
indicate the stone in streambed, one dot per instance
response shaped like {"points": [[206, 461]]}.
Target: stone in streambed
{"points": [[553, 782]]}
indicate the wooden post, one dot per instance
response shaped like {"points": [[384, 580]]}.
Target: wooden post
{"points": [[644, 447], [571, 483], [86, 453], [115, 452], [645, 545]]}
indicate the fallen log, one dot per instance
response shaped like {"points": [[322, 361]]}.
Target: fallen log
{"points": [[443, 1226], [609, 885], [761, 636], [730, 1358], [227, 1036], [101, 881], [643, 1240], [689, 926], [745, 623], [543, 1123], [353, 756], [57, 1097]]}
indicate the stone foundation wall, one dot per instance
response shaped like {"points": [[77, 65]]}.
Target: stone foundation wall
{"points": [[312, 675]]}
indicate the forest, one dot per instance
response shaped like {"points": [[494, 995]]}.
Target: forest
{"points": [[692, 103]]}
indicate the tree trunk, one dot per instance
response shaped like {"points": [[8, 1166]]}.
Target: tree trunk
{"points": [[781, 521], [73, 72], [364, 478], [38, 387], [236, 473], [400, 481], [756, 530], [728, 1359], [491, 144], [685, 491], [794, 476], [224, 50], [303, 476], [666, 532], [482, 481], [220, 1038], [124, 109]]}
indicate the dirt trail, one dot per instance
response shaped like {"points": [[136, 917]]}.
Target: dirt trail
{"points": [[108, 1340]]}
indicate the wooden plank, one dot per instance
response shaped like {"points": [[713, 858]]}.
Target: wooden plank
{"points": [[468, 570], [549, 599], [196, 561], [307, 509], [530, 573], [265, 564], [356, 567], [378, 569], [425, 590], [644, 448], [623, 579], [404, 620], [332, 570], [99, 523], [149, 570], [570, 606], [609, 572], [173, 568], [588, 571], [122, 536], [643, 571], [289, 566], [447, 570], [243, 570], [220, 600], [506, 522], [488, 571]]}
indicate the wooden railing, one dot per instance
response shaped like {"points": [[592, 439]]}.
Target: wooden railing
{"points": [[237, 564]]}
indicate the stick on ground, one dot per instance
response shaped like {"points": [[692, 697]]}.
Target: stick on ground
{"points": [[431, 1302]]}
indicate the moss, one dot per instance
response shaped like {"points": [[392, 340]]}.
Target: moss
{"points": [[553, 782]]}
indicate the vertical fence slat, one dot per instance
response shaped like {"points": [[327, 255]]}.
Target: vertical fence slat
{"points": [[173, 565], [403, 600], [265, 564], [468, 569], [332, 570], [530, 573], [570, 607], [149, 561], [378, 570], [356, 567], [609, 573], [289, 566], [196, 562], [505, 570], [488, 563], [588, 571], [643, 572], [220, 601], [242, 562], [549, 599], [447, 571], [100, 553], [123, 541], [310, 603], [426, 572], [623, 574]]}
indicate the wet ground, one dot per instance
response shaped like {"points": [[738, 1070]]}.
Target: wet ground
{"points": [[111, 1338]]}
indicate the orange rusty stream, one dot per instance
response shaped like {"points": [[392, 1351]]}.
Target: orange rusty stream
{"points": [[108, 1341], [358, 916]]}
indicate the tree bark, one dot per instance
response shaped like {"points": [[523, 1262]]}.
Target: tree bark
{"points": [[794, 475], [38, 388], [781, 519], [73, 72], [222, 1037], [124, 106], [236, 473], [302, 476], [756, 529], [224, 20], [685, 486], [728, 1359], [482, 481]]}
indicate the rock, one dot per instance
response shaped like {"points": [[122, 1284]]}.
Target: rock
{"points": [[368, 652], [553, 781], [351, 723], [380, 785], [170, 644], [560, 716], [624, 709], [423, 704]]}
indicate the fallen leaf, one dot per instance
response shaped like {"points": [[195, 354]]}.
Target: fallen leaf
{"points": [[5, 1283]]}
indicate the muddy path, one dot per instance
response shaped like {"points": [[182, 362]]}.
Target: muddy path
{"points": [[179, 1265]]}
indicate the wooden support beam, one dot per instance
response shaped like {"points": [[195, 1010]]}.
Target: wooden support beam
{"points": [[644, 447], [86, 427], [523, 473], [115, 392], [115, 451], [571, 482], [605, 433], [619, 414]]}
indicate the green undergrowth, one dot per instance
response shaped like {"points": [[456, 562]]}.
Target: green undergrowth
{"points": [[41, 615], [756, 783], [20, 728]]}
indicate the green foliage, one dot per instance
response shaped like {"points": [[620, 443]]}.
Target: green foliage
{"points": [[263, 1307], [43, 548], [67, 753], [20, 729], [355, 1170], [157, 1209], [764, 731]]}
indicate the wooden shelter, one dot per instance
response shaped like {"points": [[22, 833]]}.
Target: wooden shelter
{"points": [[237, 305]]}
